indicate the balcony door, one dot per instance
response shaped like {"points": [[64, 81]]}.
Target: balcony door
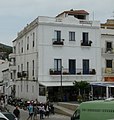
{"points": [[85, 37], [57, 65], [85, 66], [108, 63], [108, 46], [72, 66], [58, 35]]}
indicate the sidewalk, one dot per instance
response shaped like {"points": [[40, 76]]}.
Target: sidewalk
{"points": [[24, 115]]}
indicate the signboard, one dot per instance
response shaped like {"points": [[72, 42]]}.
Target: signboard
{"points": [[109, 79]]}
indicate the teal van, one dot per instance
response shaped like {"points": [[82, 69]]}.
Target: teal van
{"points": [[95, 110]]}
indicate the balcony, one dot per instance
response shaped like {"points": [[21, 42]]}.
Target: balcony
{"points": [[78, 71], [108, 51], [22, 74], [58, 41], [12, 55], [88, 43], [108, 71]]}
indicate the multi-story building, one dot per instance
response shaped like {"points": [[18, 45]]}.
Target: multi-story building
{"points": [[51, 53], [6, 84], [107, 40]]}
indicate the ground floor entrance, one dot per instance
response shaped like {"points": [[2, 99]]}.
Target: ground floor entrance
{"points": [[67, 94], [102, 90]]}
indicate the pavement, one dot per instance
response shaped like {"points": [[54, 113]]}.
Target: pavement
{"points": [[24, 115]]}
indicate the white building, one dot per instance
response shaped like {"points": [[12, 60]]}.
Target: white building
{"points": [[6, 83], [69, 42]]}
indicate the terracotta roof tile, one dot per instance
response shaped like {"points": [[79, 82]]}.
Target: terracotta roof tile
{"points": [[74, 12]]}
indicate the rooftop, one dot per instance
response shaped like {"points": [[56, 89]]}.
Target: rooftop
{"points": [[74, 12]]}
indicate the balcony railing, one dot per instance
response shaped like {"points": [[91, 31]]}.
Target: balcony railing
{"points": [[22, 74], [108, 50], [58, 41], [77, 71], [12, 55], [108, 71], [88, 43]]}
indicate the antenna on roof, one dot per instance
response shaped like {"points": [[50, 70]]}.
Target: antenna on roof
{"points": [[93, 16], [112, 14]]}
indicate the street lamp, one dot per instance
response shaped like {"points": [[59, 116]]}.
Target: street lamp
{"points": [[61, 82]]}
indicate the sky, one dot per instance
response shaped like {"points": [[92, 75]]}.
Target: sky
{"points": [[16, 14]]}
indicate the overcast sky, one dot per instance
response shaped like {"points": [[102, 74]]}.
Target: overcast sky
{"points": [[15, 14]]}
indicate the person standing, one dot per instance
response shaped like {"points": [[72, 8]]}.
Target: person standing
{"points": [[42, 110], [35, 110], [30, 109], [2, 104], [16, 112]]}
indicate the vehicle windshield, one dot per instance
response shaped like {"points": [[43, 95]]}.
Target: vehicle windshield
{"points": [[77, 114], [9, 116], [2, 119]]}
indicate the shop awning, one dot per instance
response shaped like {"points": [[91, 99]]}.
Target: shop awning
{"points": [[105, 84], [54, 84]]}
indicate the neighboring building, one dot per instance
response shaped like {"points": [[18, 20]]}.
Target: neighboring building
{"points": [[5, 78], [107, 40], [53, 52]]}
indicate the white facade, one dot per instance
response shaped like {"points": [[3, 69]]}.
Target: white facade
{"points": [[44, 44], [5, 77]]}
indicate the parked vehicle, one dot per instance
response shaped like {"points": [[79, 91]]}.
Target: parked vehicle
{"points": [[2, 117], [9, 115], [95, 110]]}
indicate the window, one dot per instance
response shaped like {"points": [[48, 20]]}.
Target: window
{"points": [[32, 89], [21, 67], [85, 66], [72, 66], [71, 36], [108, 46], [42, 90], [85, 37], [27, 87], [33, 39], [108, 63], [28, 68], [18, 68], [28, 43], [57, 64], [19, 48], [33, 68], [21, 87], [11, 74], [22, 46], [14, 49], [58, 35]]}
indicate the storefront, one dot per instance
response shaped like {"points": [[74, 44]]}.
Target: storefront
{"points": [[104, 89], [55, 92]]}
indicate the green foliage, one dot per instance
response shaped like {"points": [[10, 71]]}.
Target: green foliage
{"points": [[5, 51], [81, 87]]}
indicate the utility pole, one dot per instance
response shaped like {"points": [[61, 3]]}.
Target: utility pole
{"points": [[61, 83]]}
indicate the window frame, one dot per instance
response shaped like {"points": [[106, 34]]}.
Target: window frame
{"points": [[71, 36]]}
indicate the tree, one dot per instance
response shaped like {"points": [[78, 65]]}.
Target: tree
{"points": [[81, 87]]}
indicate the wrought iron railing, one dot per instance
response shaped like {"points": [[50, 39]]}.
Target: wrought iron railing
{"points": [[66, 71], [58, 41]]}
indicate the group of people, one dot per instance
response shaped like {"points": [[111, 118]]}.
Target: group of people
{"points": [[42, 109], [34, 109]]}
